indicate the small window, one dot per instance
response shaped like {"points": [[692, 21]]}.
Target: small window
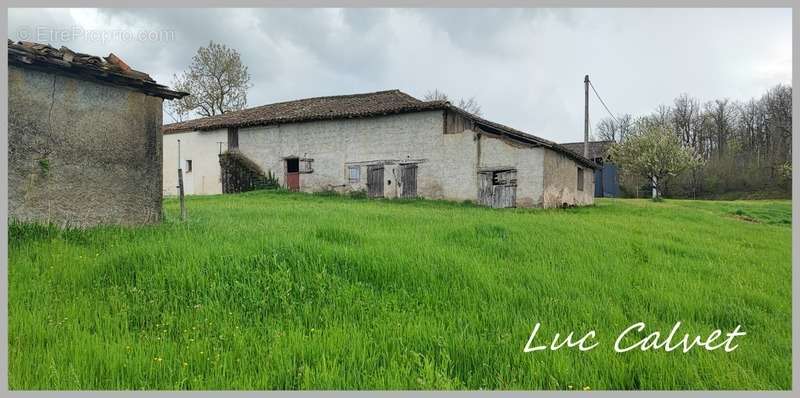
{"points": [[305, 165], [355, 174], [188, 166], [504, 177], [580, 179]]}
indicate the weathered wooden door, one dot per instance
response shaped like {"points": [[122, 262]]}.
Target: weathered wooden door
{"points": [[293, 181], [504, 196], [375, 181], [408, 181], [485, 189], [497, 189]]}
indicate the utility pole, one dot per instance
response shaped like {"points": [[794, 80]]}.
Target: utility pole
{"points": [[586, 117], [180, 184]]}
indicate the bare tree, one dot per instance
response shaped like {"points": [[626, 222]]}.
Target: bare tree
{"points": [[610, 129], [435, 95], [662, 116], [777, 103], [719, 119], [470, 104], [217, 81], [686, 119], [607, 129]]}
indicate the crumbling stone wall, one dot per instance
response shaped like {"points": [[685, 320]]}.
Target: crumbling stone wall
{"points": [[82, 153], [561, 182], [497, 152]]}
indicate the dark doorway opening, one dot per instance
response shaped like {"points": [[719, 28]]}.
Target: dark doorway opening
{"points": [[293, 165], [293, 174]]}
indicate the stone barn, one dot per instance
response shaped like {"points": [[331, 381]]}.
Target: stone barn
{"points": [[387, 144], [84, 138]]}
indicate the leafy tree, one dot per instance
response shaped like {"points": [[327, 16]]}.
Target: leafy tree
{"points": [[786, 171], [653, 152], [217, 81]]}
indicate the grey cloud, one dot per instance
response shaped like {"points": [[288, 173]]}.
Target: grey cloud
{"points": [[524, 66]]}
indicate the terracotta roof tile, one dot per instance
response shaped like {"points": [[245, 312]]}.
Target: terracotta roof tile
{"points": [[308, 109], [108, 70], [597, 149]]}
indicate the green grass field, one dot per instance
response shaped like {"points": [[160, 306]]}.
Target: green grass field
{"points": [[292, 291]]}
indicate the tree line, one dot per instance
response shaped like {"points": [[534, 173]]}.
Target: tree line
{"points": [[730, 148]]}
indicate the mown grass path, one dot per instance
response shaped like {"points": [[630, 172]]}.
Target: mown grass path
{"points": [[293, 291]]}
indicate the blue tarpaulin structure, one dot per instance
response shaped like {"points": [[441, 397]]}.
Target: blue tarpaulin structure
{"points": [[606, 181]]}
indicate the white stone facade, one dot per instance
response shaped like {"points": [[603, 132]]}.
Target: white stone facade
{"points": [[202, 148], [447, 163]]}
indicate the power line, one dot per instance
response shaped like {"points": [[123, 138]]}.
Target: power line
{"points": [[603, 102]]}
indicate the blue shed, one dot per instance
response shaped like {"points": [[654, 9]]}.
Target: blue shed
{"points": [[606, 181]]}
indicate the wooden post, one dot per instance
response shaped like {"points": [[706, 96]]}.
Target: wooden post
{"points": [[180, 184], [586, 117]]}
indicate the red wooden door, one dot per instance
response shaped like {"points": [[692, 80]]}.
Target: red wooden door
{"points": [[293, 174], [293, 181]]}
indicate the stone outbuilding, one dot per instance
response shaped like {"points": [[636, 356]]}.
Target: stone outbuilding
{"points": [[387, 144], [84, 138]]}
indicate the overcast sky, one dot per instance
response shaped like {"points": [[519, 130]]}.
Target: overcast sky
{"points": [[524, 67]]}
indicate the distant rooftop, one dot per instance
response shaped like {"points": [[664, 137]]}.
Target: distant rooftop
{"points": [[597, 149]]}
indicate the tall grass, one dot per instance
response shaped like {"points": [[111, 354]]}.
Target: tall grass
{"points": [[291, 291]]}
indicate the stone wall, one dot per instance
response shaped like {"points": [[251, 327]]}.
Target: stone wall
{"points": [[447, 161], [561, 182], [497, 152], [82, 153], [202, 149]]}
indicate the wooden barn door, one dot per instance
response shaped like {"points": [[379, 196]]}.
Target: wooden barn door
{"points": [[408, 181], [375, 181], [497, 189], [485, 189]]}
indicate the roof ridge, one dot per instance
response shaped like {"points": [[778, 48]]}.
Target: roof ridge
{"points": [[395, 90], [330, 96], [581, 142]]}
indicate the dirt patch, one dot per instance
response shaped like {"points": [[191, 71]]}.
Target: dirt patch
{"points": [[746, 218]]}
